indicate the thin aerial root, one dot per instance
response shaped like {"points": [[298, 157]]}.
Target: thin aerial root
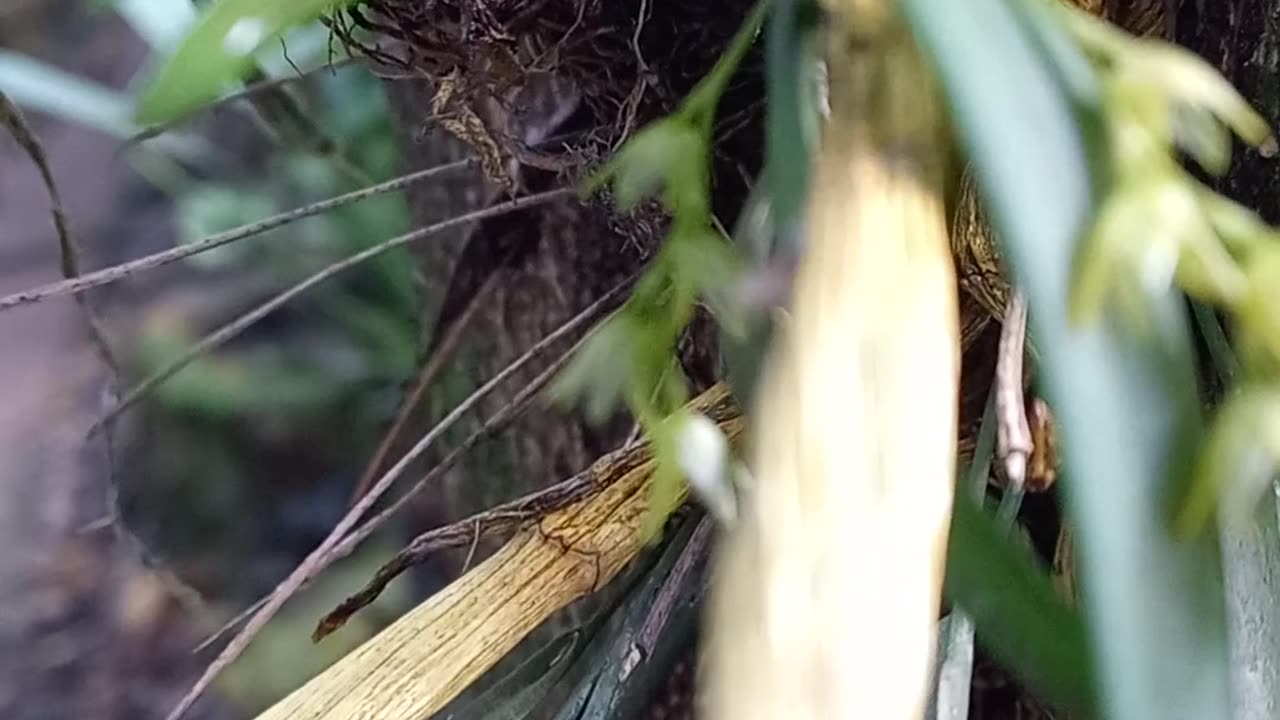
{"points": [[240, 324], [116, 273]]}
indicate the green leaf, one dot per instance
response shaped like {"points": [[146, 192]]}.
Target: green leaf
{"points": [[744, 356], [1125, 401], [1197, 131], [1016, 613], [790, 115], [661, 154], [664, 485], [705, 260], [1238, 462], [600, 371], [998, 588], [219, 50], [1221, 354], [1259, 314], [700, 106], [770, 223]]}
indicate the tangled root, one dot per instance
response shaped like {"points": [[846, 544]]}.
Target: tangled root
{"points": [[515, 78]]}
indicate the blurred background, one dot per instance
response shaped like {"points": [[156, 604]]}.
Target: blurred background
{"points": [[237, 467]]}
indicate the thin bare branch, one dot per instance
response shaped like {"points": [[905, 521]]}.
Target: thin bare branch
{"points": [[68, 253], [512, 411], [496, 521], [450, 338], [234, 622], [12, 119], [150, 262], [324, 552], [245, 93], [495, 424], [237, 326], [492, 426]]}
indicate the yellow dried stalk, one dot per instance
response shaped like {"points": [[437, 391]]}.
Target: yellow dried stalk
{"points": [[414, 667], [827, 593]]}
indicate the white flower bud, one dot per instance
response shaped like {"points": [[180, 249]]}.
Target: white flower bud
{"points": [[702, 452]]}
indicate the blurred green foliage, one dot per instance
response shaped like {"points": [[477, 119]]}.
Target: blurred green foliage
{"points": [[1105, 245], [632, 356], [372, 310], [248, 454]]}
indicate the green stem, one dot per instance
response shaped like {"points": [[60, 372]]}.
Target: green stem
{"points": [[1224, 358], [700, 106]]}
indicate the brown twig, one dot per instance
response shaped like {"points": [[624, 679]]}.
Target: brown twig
{"points": [[11, 118], [237, 326], [500, 420], [491, 427], [451, 337], [1013, 435], [496, 521], [231, 624], [119, 272], [68, 253], [664, 604], [328, 549], [471, 552]]}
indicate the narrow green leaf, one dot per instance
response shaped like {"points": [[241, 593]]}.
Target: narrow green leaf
{"points": [[950, 698], [997, 588], [1125, 401], [1016, 613], [789, 116], [700, 106], [769, 226], [1225, 364], [219, 50], [599, 373]]}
